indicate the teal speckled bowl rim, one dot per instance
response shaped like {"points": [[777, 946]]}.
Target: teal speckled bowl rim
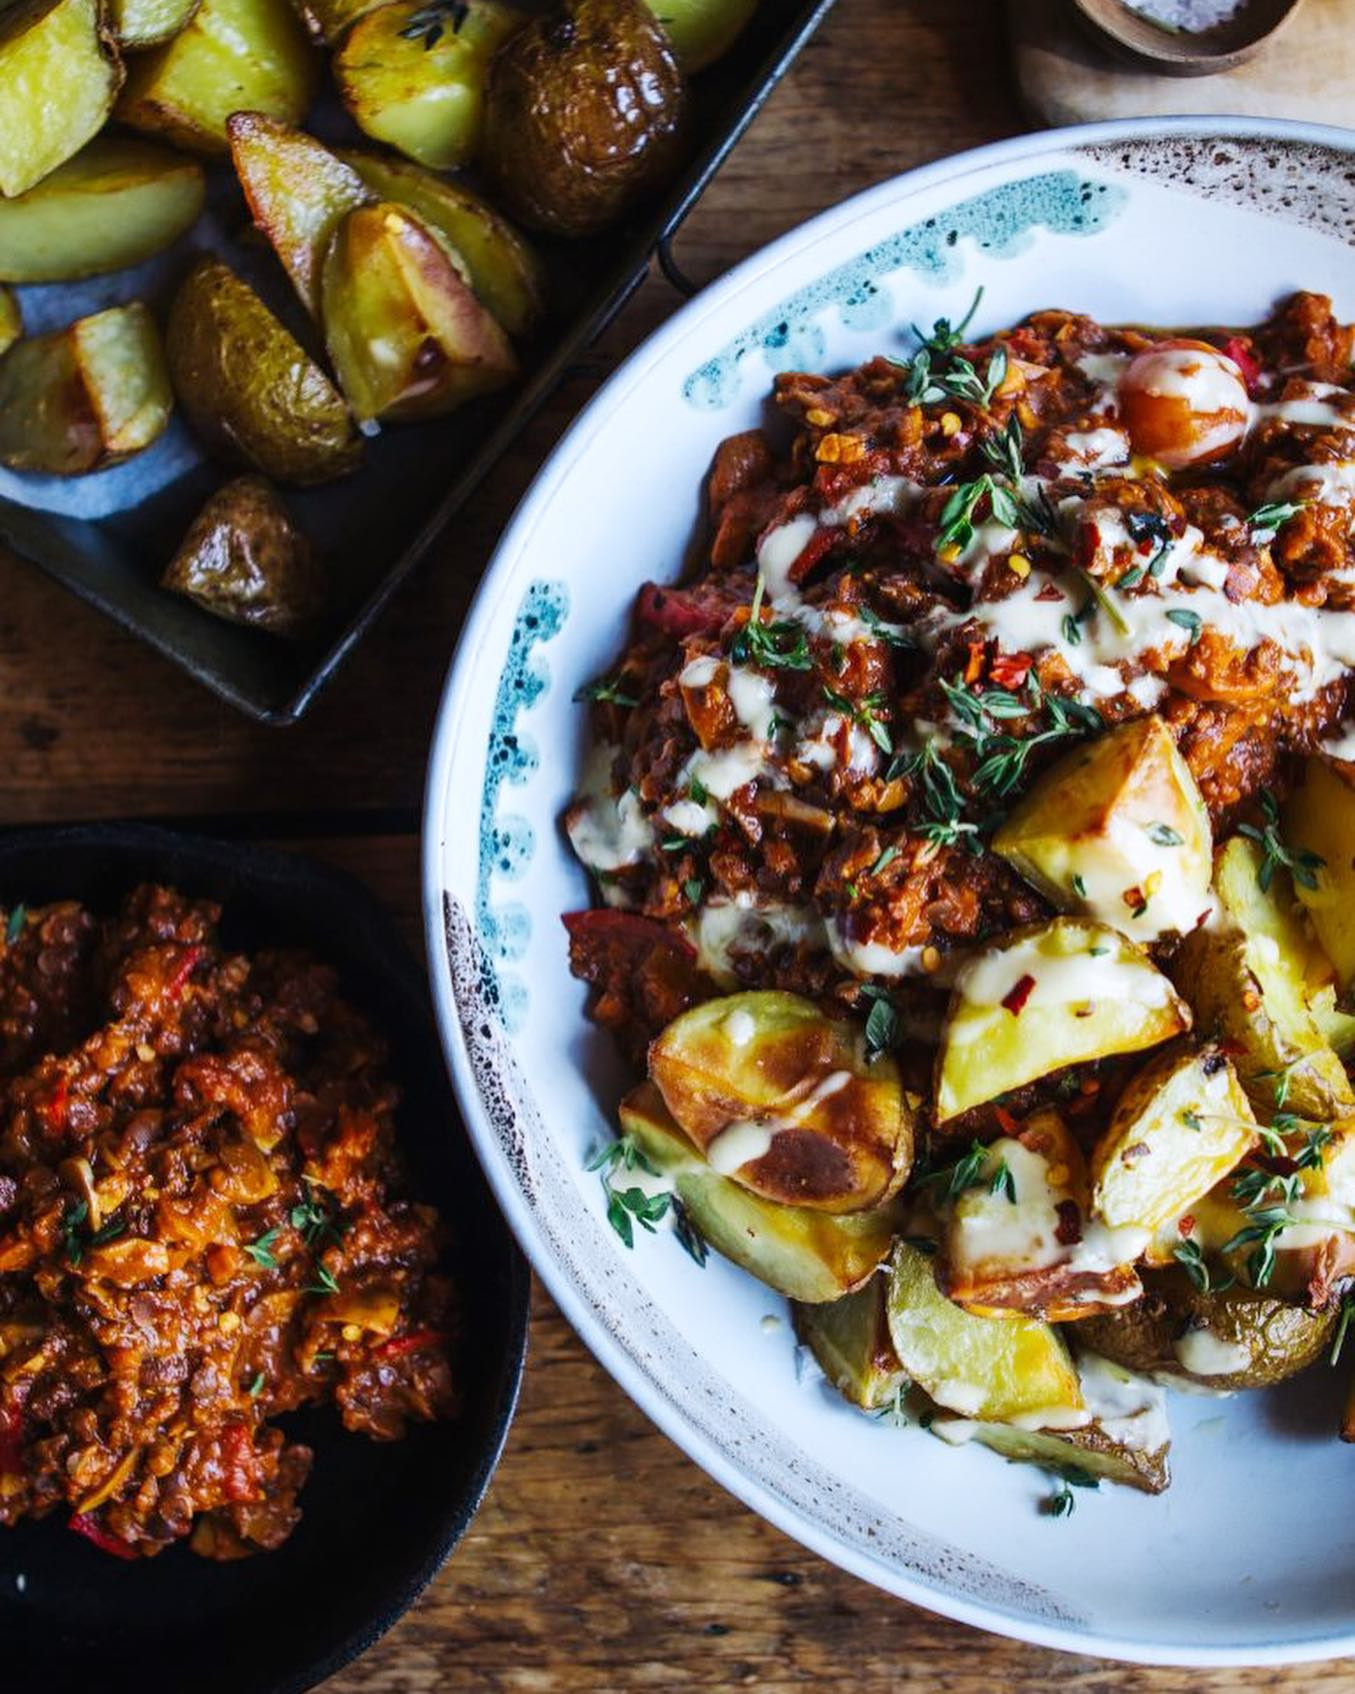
{"points": [[466, 1014]]}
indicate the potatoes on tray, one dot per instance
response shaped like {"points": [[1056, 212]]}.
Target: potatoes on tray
{"points": [[146, 23], [59, 77], [11, 319], [1042, 998], [244, 560], [701, 31], [118, 201], [249, 388], [85, 396]]}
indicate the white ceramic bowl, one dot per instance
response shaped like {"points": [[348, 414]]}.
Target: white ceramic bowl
{"points": [[1250, 1557]]}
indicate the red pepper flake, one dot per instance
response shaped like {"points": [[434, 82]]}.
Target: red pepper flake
{"points": [[240, 1480], [1050, 591], [184, 969], [1010, 670], [84, 1523], [55, 1108], [1240, 353], [1016, 999], [1185, 1225], [1009, 1125], [417, 1341]]}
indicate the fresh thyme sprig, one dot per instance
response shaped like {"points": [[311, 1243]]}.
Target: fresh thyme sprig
{"points": [[1302, 865], [431, 21], [865, 714], [1190, 1257], [78, 1244], [952, 1180], [779, 645], [882, 1022], [604, 692], [628, 1206], [1270, 518]]}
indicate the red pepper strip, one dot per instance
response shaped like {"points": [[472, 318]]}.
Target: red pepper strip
{"points": [[55, 1109], [606, 923], [184, 969], [1245, 360], [415, 1342], [1008, 1124], [676, 612], [1022, 992], [84, 1523], [1010, 670], [823, 541]]}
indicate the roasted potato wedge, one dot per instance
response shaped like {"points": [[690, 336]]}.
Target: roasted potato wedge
{"points": [[1182, 1123], [1017, 1239], [1226, 1339], [118, 201], [59, 77], [11, 319], [84, 396], [806, 1255], [234, 56], [298, 193], [701, 31], [1117, 831], [248, 387], [326, 20], [1053, 995], [245, 560], [502, 269], [584, 115], [407, 337], [414, 77], [782, 1098], [1127, 1440], [1320, 818], [146, 23], [1247, 980], [850, 1340], [991, 1368]]}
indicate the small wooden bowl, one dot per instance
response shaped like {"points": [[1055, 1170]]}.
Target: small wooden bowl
{"points": [[1189, 52]]}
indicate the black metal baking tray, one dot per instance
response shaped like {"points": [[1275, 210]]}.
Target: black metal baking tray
{"points": [[374, 527]]}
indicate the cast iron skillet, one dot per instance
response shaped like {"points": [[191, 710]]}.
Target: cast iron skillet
{"points": [[378, 1519]]}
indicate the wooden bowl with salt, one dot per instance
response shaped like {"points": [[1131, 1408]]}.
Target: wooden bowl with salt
{"points": [[1188, 37]]}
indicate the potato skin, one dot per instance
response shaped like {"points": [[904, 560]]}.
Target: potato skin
{"points": [[1282, 1338], [584, 115], [243, 559], [249, 388]]}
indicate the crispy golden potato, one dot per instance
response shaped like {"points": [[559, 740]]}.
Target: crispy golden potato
{"points": [[1182, 1123], [245, 560], [1117, 830], [1046, 997], [850, 1340], [1320, 818], [992, 1368], [118, 201], [1234, 1338], [248, 387], [413, 77], [146, 23], [1016, 1238], [806, 1255], [783, 1099], [584, 115], [11, 319], [84, 396], [1127, 1440], [1247, 980], [298, 193], [701, 31], [500, 266], [407, 337], [59, 77], [234, 56], [326, 20]]}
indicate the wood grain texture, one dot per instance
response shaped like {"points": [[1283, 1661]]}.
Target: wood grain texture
{"points": [[603, 1561]]}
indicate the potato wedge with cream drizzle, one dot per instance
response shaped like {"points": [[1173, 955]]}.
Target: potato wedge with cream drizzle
{"points": [[1320, 819], [803, 1253], [786, 1101], [1052, 995]]}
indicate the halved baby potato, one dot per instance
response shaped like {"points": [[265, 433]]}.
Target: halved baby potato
{"points": [[414, 77], [849, 1338], [1052, 995], [1017, 1240], [234, 56], [146, 23], [991, 1368], [1181, 1124], [783, 1099], [59, 77], [502, 269], [245, 560], [1320, 818], [1247, 980], [11, 319], [298, 193], [407, 337], [249, 388], [806, 1255], [84, 396], [1117, 831], [118, 201]]}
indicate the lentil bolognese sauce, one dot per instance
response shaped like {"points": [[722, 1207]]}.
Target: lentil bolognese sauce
{"points": [[204, 1224]]}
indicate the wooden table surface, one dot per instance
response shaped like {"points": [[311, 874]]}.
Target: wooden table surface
{"points": [[603, 1560]]}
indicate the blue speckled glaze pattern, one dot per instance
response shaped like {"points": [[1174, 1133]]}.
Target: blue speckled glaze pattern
{"points": [[1001, 221], [508, 841]]}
